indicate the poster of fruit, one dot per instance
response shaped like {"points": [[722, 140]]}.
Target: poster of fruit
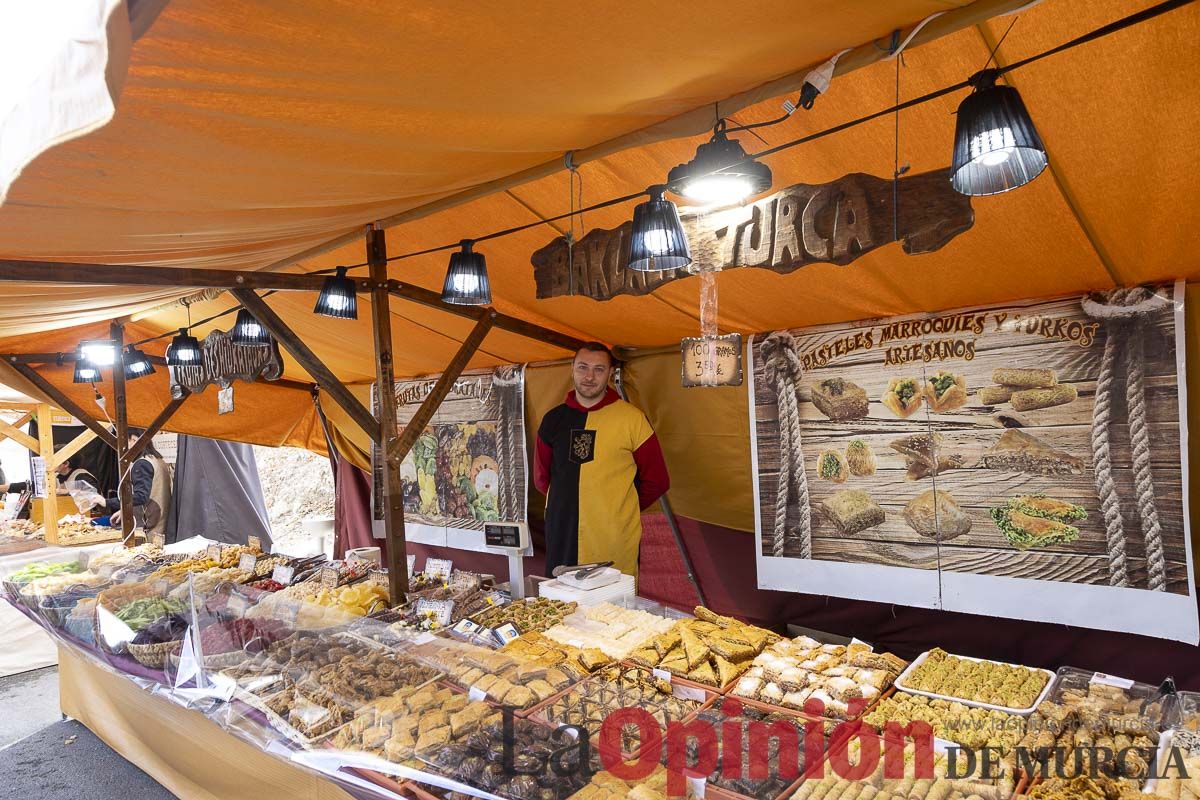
{"points": [[468, 466], [1025, 461]]}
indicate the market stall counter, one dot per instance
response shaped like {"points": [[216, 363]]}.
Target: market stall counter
{"points": [[228, 672]]}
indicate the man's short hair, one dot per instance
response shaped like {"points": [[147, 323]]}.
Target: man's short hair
{"points": [[597, 347]]}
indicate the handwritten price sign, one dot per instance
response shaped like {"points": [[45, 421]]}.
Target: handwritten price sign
{"points": [[712, 360]]}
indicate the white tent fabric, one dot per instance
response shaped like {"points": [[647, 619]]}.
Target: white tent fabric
{"points": [[63, 66]]}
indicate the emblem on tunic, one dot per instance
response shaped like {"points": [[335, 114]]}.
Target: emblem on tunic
{"points": [[583, 446]]}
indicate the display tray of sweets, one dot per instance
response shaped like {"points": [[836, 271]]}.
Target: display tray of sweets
{"points": [[1083, 787], [537, 764], [711, 649], [323, 682], [531, 614], [589, 703], [1169, 781], [610, 628], [1183, 712], [994, 685], [516, 678], [845, 679], [732, 776], [951, 720], [824, 782], [1085, 712]]}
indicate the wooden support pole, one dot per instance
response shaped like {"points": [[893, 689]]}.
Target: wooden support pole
{"points": [[300, 351], [45, 419], [138, 447], [71, 448], [65, 403], [385, 381], [19, 436], [416, 425], [124, 472]]}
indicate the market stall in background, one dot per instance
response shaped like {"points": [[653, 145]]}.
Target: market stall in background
{"points": [[917, 364]]}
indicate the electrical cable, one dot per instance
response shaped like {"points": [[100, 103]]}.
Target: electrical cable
{"points": [[1105, 30]]}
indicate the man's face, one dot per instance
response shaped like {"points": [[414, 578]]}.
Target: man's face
{"points": [[63, 469], [591, 373]]}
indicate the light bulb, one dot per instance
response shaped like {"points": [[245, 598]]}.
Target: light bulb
{"points": [[993, 147], [719, 189]]}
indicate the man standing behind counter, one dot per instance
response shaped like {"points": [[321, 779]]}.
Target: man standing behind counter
{"points": [[599, 463]]}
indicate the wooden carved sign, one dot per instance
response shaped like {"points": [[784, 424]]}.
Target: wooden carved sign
{"points": [[225, 362], [835, 222]]}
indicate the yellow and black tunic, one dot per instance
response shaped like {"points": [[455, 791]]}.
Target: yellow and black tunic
{"points": [[599, 467]]}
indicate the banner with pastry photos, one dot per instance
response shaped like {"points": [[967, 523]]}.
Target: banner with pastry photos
{"points": [[468, 467], [1025, 460]]}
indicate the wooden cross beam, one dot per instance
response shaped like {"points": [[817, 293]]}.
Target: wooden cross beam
{"points": [[416, 425], [308, 359], [66, 404], [182, 277], [13, 431], [137, 448], [69, 449]]}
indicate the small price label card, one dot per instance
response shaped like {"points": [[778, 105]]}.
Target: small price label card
{"points": [[158, 540], [662, 674], [464, 580], [465, 627], [696, 786], [330, 577], [506, 633], [440, 611], [1112, 680], [439, 568], [379, 577], [254, 543], [475, 693], [283, 574], [412, 562], [246, 562], [486, 637], [688, 692], [213, 553]]}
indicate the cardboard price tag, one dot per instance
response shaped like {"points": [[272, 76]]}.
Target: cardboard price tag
{"points": [[213, 552], [506, 633], [330, 577], [662, 674], [158, 540], [247, 561], [254, 543], [475, 693], [378, 577], [439, 567], [283, 574], [441, 611], [412, 562], [688, 692], [465, 627]]}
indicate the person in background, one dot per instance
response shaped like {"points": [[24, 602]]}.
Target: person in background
{"points": [[152, 480], [69, 472], [600, 464]]}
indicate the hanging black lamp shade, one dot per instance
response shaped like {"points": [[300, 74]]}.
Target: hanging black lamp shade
{"points": [[700, 180], [85, 370], [184, 351], [467, 278], [657, 241], [338, 297], [247, 331], [137, 365], [996, 146]]}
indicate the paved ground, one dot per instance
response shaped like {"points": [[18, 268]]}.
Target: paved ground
{"points": [[28, 703], [43, 757]]}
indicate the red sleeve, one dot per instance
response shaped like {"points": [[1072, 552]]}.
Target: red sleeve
{"points": [[652, 478], [542, 458]]}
